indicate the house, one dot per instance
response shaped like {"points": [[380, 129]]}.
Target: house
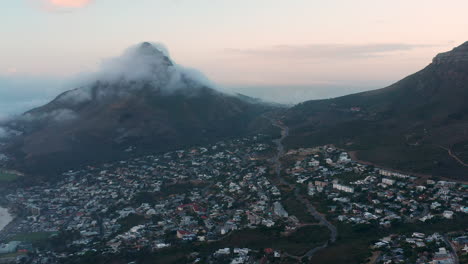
{"points": [[465, 249], [223, 251], [388, 181], [279, 210], [311, 189], [418, 235], [393, 174], [181, 234], [448, 214]]}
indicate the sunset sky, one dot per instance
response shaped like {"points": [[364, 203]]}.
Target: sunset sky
{"points": [[241, 43]]}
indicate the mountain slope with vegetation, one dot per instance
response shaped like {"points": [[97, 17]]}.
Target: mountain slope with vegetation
{"points": [[419, 124]]}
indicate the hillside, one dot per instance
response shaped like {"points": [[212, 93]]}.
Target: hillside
{"points": [[419, 124], [147, 105]]}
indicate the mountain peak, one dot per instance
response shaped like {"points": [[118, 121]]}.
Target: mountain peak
{"points": [[457, 55], [149, 49], [142, 62]]}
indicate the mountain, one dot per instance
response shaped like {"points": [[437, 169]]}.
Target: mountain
{"points": [[141, 103], [419, 124]]}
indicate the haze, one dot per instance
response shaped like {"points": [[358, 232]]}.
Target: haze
{"points": [[284, 51]]}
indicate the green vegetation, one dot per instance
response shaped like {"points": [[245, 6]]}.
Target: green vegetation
{"points": [[145, 197], [398, 127], [464, 259], [130, 221], [11, 255], [32, 237], [296, 208], [352, 245], [298, 243], [6, 176], [349, 177]]}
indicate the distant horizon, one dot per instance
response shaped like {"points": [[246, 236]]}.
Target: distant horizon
{"points": [[35, 91], [24, 92], [312, 49]]}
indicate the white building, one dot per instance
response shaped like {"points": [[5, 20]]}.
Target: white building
{"points": [[388, 181], [343, 188], [393, 174], [448, 214], [279, 210], [344, 158]]}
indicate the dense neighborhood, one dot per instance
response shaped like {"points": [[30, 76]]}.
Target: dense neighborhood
{"points": [[204, 195]]}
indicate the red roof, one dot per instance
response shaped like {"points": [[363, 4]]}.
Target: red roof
{"points": [[182, 232]]}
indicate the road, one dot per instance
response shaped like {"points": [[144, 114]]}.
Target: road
{"points": [[311, 209], [452, 249]]}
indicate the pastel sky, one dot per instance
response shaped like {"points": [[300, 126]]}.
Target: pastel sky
{"points": [[242, 43]]}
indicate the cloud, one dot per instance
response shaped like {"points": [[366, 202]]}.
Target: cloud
{"points": [[11, 71], [57, 115], [61, 5], [140, 66], [328, 51], [3, 133], [145, 65], [69, 3]]}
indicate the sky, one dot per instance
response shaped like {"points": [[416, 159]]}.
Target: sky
{"points": [[281, 50]]}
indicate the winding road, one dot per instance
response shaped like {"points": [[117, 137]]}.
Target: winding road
{"points": [[310, 208]]}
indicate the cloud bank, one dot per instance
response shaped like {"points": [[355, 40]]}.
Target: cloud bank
{"points": [[328, 51], [138, 66], [145, 65]]}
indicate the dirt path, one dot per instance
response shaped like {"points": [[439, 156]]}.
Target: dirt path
{"points": [[449, 151]]}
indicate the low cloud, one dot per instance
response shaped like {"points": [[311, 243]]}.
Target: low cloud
{"points": [[140, 66], [57, 115], [328, 51]]}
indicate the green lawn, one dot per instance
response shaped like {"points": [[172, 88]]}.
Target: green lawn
{"points": [[31, 237], [349, 177], [7, 177]]}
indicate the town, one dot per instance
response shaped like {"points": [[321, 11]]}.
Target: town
{"points": [[199, 199]]}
